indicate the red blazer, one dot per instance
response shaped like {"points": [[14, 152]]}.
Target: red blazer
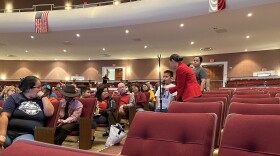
{"points": [[186, 84]]}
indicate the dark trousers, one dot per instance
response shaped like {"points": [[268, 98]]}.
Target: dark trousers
{"points": [[99, 119], [62, 132]]}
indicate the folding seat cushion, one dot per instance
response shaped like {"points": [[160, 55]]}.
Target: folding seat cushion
{"points": [[165, 134], [251, 135], [205, 107], [255, 109], [251, 96], [257, 100], [277, 95], [34, 148]]}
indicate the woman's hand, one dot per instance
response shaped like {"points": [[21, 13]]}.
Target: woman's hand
{"points": [[2, 140]]}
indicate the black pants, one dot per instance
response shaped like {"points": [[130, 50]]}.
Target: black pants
{"points": [[62, 132], [100, 119]]}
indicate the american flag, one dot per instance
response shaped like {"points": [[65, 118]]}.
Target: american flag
{"points": [[41, 22], [216, 5]]}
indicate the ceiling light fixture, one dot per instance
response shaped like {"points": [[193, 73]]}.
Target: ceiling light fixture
{"points": [[32, 36], [192, 42], [78, 35], [64, 50], [249, 15], [182, 25], [117, 2], [103, 49], [68, 6], [126, 31], [248, 36], [26, 51], [9, 7], [145, 46]]}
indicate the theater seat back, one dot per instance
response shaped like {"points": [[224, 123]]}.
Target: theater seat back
{"points": [[168, 134], [251, 135]]}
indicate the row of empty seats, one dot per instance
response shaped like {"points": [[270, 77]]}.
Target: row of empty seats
{"points": [[188, 134]]}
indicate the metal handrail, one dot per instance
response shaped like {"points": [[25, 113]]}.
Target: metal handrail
{"points": [[53, 7]]}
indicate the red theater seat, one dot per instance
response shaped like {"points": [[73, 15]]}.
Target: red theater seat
{"points": [[251, 135], [255, 109], [257, 100], [165, 134], [205, 107], [46, 134], [34, 148], [84, 132], [251, 96]]}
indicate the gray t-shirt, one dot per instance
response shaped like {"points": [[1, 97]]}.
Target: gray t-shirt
{"points": [[200, 73]]}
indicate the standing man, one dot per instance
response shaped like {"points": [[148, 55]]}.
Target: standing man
{"points": [[200, 73]]}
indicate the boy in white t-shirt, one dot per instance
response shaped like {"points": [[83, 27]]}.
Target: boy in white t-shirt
{"points": [[166, 96]]}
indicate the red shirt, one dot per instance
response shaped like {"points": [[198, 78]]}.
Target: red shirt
{"points": [[186, 84], [103, 104]]}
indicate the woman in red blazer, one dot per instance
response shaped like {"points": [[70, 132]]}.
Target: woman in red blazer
{"points": [[186, 84]]}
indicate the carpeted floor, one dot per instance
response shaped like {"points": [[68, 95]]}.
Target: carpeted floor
{"points": [[98, 144]]}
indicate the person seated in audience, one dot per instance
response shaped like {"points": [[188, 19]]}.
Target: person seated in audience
{"points": [[56, 91], [191, 65], [140, 98], [24, 111], [105, 106], [7, 91], [126, 101], [69, 114], [85, 92], [47, 89], [152, 98], [166, 97]]}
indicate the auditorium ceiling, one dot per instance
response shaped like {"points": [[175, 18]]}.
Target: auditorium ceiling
{"points": [[169, 28]]}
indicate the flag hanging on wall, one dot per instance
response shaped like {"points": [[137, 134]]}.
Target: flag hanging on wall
{"points": [[41, 22], [216, 5]]}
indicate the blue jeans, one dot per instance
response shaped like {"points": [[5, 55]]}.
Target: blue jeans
{"points": [[163, 110], [9, 141]]}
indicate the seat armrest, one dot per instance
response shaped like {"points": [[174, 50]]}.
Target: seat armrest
{"points": [[44, 134], [132, 112], [85, 141]]}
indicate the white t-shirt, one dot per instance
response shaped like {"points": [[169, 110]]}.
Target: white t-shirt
{"points": [[166, 96]]}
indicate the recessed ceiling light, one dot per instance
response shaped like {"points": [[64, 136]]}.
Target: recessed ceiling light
{"points": [[192, 42], [248, 36], [126, 31], [26, 51], [246, 50], [64, 50], [116, 2], [249, 15], [78, 35], [145, 46], [182, 25], [31, 36]]}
